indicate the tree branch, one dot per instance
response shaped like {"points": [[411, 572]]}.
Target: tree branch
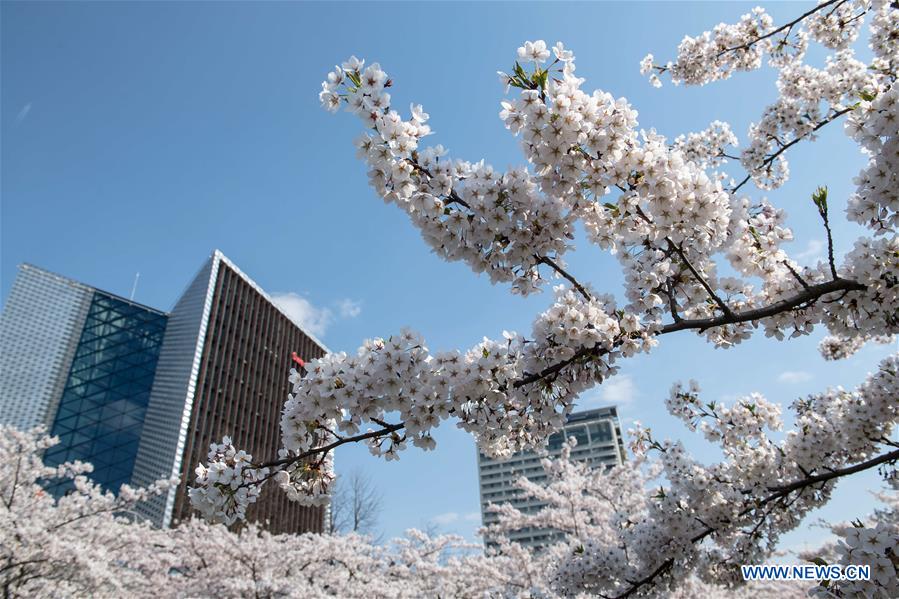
{"points": [[683, 256], [796, 275], [561, 271], [811, 293], [672, 304], [326, 448]]}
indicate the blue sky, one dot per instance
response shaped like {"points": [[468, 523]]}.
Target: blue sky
{"points": [[138, 137]]}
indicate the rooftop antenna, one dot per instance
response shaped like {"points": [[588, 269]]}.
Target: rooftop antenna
{"points": [[134, 288]]}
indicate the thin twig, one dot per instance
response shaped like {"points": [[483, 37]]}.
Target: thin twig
{"points": [[672, 304], [770, 159], [680, 252], [561, 271], [796, 274], [788, 26]]}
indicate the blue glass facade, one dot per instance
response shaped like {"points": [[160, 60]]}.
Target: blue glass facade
{"points": [[101, 412]]}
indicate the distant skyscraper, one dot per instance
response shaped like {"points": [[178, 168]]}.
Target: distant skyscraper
{"points": [[599, 443], [142, 394]]}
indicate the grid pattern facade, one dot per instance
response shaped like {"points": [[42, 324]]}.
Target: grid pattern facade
{"points": [[599, 444], [241, 388], [39, 330], [101, 413]]}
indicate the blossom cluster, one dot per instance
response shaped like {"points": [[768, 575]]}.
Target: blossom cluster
{"points": [[719, 53], [798, 113], [836, 348], [64, 544], [495, 222], [839, 26], [485, 388], [77, 545], [227, 484], [875, 126], [873, 543], [707, 148]]}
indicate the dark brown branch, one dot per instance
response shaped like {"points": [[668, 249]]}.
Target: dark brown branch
{"points": [[828, 476], [672, 304], [558, 366], [812, 293], [796, 275], [390, 428], [683, 256]]}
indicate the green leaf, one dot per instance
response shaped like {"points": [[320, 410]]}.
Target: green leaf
{"points": [[485, 352], [520, 71], [755, 235], [820, 199], [866, 96]]}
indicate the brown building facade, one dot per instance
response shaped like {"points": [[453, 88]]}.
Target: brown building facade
{"points": [[222, 370]]}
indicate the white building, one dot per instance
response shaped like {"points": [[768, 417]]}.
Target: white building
{"points": [[599, 443], [39, 332]]}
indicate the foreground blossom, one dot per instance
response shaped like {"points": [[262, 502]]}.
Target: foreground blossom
{"points": [[82, 545]]}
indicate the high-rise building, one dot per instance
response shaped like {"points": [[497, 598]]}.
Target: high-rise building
{"points": [[599, 443], [222, 371], [142, 393]]}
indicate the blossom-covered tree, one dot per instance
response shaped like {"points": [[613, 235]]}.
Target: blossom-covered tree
{"points": [[82, 545], [700, 253], [68, 546]]}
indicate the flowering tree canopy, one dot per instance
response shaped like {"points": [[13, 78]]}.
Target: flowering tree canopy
{"points": [[66, 546], [84, 545], [699, 253]]}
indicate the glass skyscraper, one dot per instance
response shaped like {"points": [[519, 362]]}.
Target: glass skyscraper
{"points": [[101, 413]]}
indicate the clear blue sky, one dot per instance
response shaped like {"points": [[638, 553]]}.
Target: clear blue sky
{"points": [[138, 137]]}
